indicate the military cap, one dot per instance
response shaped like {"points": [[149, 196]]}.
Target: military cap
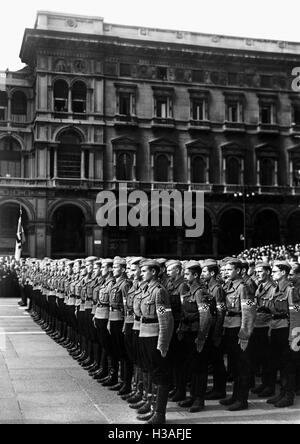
{"points": [[91, 259], [262, 264], [107, 261], [210, 263], [172, 263], [136, 260], [119, 261], [192, 264], [150, 263], [161, 261], [234, 261], [98, 262], [282, 263]]}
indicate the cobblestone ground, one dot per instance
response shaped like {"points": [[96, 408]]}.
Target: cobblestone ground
{"points": [[41, 383]]}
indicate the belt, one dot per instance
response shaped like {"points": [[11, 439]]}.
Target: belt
{"points": [[149, 321], [137, 318], [102, 305], [115, 309], [232, 314], [280, 316]]}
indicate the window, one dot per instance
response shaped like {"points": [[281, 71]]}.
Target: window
{"points": [[10, 158], [266, 172], [19, 103], [125, 70], [79, 97], [233, 171], [198, 172], [267, 108], [234, 111], [125, 101], [296, 114], [161, 73], [161, 168], [60, 92], [124, 104], [69, 156], [163, 102], [124, 166], [3, 105], [161, 107], [198, 109], [266, 114]]}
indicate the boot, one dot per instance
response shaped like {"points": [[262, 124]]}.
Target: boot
{"points": [[146, 407], [178, 396], [112, 379], [227, 401], [101, 374], [126, 386], [286, 401], [198, 405], [159, 416], [188, 402], [275, 398], [138, 404], [146, 416], [238, 405]]}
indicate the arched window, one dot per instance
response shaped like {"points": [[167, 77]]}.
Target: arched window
{"points": [[124, 166], [266, 171], [79, 97], [10, 158], [60, 92], [233, 176], [198, 169], [3, 105], [69, 156], [161, 168]]}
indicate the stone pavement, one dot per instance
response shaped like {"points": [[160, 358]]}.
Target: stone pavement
{"points": [[41, 383]]}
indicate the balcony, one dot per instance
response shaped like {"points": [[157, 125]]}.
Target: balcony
{"points": [[125, 120], [268, 128], [295, 129], [163, 122], [13, 182], [200, 187], [234, 127], [201, 125]]}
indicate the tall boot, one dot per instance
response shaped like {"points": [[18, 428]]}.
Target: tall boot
{"points": [[95, 365], [159, 416], [128, 372]]}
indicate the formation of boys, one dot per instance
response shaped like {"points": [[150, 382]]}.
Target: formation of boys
{"points": [[152, 330]]}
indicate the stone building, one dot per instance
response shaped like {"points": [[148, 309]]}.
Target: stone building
{"points": [[98, 104]]}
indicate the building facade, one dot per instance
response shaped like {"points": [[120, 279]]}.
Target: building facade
{"points": [[100, 104]]}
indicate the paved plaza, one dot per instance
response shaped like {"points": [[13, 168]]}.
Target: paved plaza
{"points": [[41, 383]]}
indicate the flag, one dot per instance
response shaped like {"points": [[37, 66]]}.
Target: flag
{"points": [[20, 238]]}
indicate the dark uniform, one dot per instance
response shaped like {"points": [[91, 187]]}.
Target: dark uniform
{"points": [[259, 344], [156, 329], [238, 326]]}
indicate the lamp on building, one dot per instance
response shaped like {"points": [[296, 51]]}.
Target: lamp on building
{"points": [[244, 195]]}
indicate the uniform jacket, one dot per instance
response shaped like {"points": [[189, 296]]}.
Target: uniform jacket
{"points": [[176, 290], [263, 296], [281, 297], [240, 308], [156, 306]]}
